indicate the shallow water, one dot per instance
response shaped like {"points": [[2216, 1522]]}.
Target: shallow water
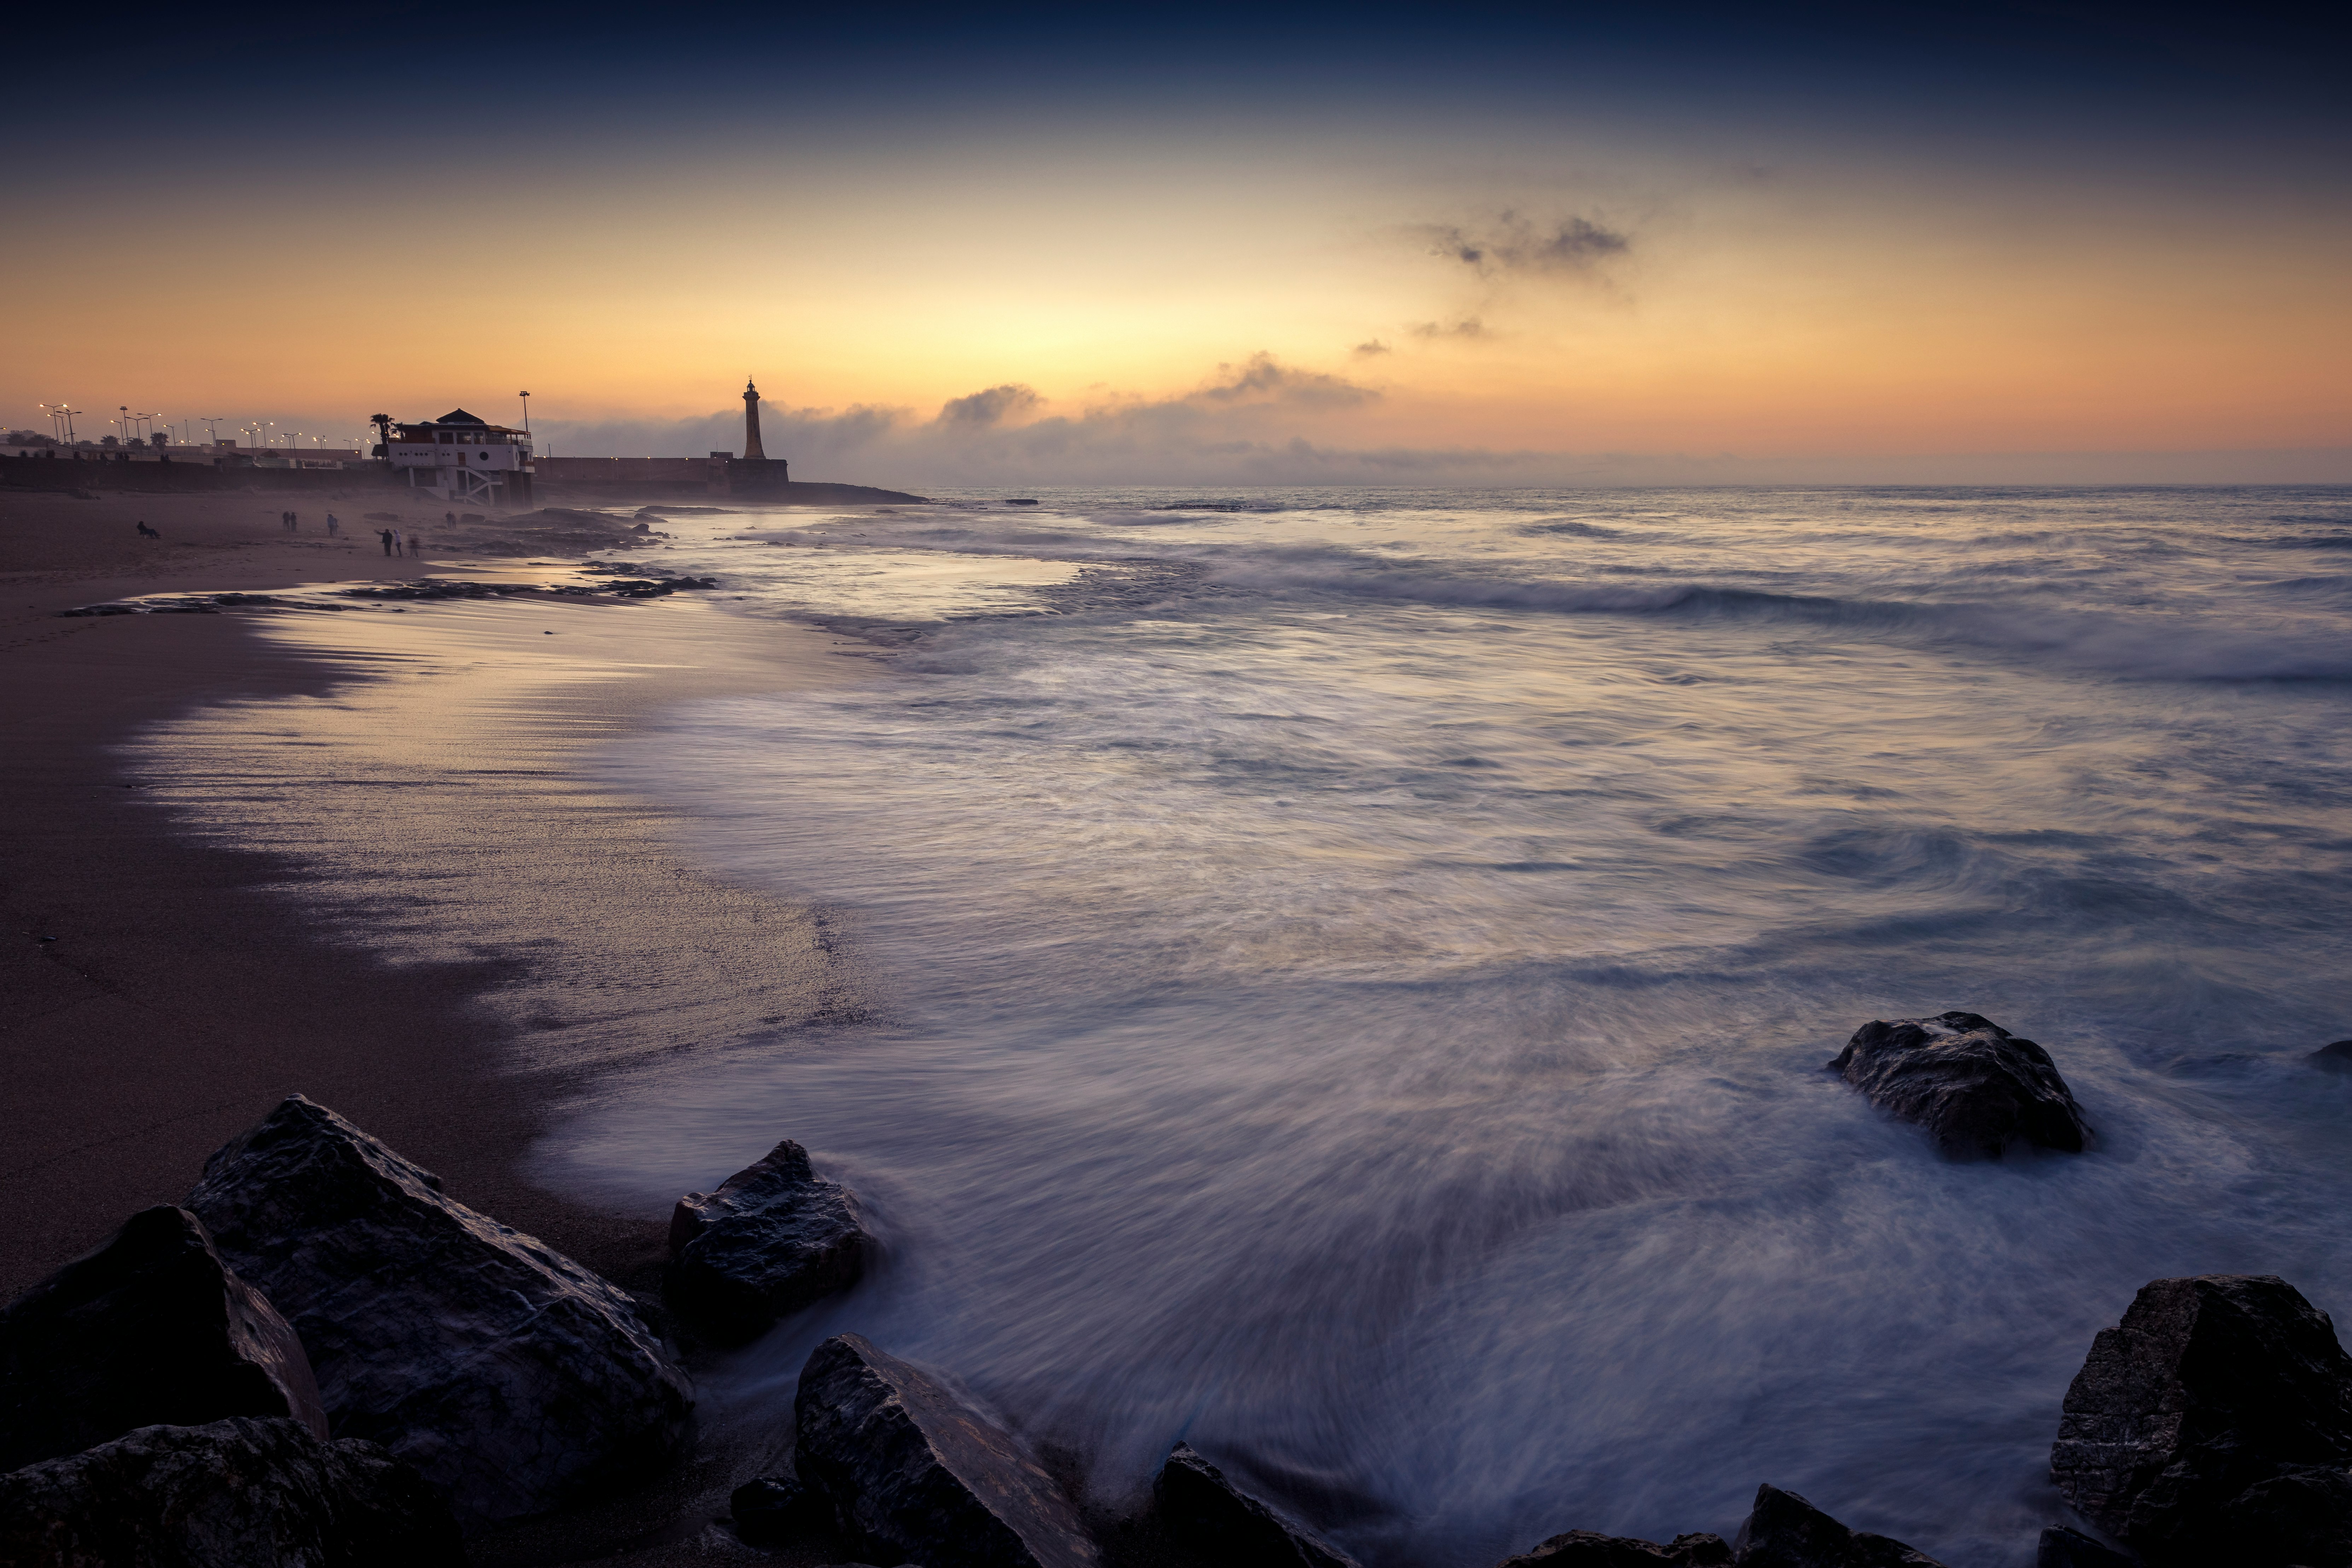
{"points": [[1358, 968], [1354, 970]]}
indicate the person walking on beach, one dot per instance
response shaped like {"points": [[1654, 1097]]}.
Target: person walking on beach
{"points": [[385, 535], [449, 518], [331, 525], [416, 545]]}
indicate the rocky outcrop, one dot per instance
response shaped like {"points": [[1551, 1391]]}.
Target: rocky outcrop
{"points": [[1204, 1511], [771, 1239], [152, 1329], [1584, 1549], [2213, 1423], [2072, 1549], [515, 1379], [915, 1474], [773, 1508], [1975, 1086], [241, 1493], [1787, 1531]]}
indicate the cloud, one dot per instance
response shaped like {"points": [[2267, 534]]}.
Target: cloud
{"points": [[1255, 421], [991, 407], [1369, 348], [1468, 327], [1569, 247], [1194, 439], [1261, 378]]}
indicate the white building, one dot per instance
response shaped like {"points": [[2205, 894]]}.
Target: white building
{"points": [[460, 458]]}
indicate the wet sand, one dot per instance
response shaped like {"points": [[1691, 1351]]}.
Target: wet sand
{"points": [[366, 868]]}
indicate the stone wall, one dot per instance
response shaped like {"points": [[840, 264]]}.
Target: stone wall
{"points": [[64, 473]]}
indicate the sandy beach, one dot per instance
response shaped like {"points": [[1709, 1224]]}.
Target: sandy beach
{"points": [[170, 981]]}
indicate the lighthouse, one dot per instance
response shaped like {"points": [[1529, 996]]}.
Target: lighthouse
{"points": [[755, 473], [752, 453]]}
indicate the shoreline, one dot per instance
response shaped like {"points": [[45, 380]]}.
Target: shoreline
{"points": [[187, 990]]}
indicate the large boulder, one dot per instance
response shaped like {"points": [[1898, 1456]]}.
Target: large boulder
{"points": [[2061, 1548], [1204, 1511], [2213, 1423], [916, 1474], [241, 1493], [515, 1379], [1585, 1549], [774, 1237], [1974, 1085], [1787, 1531], [151, 1330]]}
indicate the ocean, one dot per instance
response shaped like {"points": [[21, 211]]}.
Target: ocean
{"points": [[1350, 974]]}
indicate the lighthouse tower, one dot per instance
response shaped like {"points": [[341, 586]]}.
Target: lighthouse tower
{"points": [[755, 473], [752, 453]]}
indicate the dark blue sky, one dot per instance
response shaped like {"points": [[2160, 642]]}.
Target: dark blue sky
{"points": [[310, 85]]}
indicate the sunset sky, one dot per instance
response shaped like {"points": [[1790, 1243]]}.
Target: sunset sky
{"points": [[1485, 246]]}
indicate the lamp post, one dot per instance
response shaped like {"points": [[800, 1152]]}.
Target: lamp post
{"points": [[526, 421]]}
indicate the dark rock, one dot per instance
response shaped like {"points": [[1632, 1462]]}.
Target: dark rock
{"points": [[774, 1237], [241, 1493], [2220, 1404], [1977, 1087], [2299, 1516], [1207, 1512], [912, 1471], [151, 1330], [2333, 1057], [1787, 1531], [2072, 1549], [1584, 1549], [776, 1507], [513, 1378]]}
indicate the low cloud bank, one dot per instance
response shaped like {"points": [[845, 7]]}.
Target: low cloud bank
{"points": [[1260, 421]]}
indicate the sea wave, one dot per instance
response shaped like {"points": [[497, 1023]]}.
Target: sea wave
{"points": [[2174, 647]]}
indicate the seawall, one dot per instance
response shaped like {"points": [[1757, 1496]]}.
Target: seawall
{"points": [[601, 482], [194, 476]]}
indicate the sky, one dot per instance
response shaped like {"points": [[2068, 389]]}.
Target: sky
{"points": [[1467, 245]]}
